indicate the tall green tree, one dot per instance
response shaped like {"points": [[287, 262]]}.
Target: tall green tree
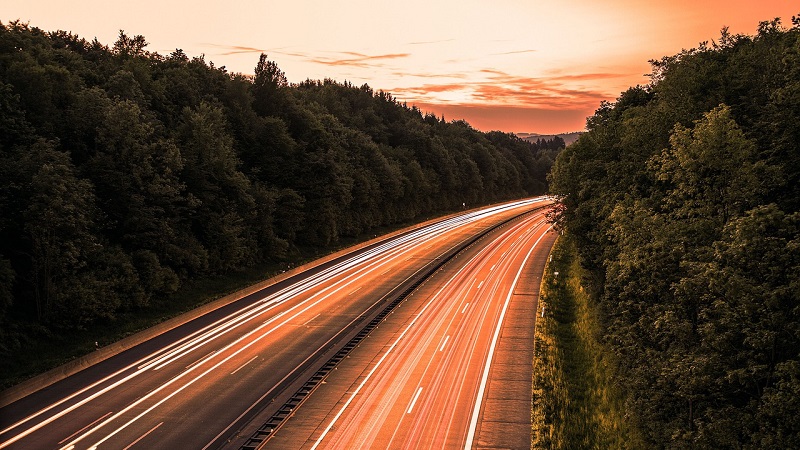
{"points": [[224, 201]]}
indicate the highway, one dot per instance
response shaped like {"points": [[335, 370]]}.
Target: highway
{"points": [[212, 381], [450, 369]]}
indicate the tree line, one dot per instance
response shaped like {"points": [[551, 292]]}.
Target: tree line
{"points": [[684, 198], [125, 173]]}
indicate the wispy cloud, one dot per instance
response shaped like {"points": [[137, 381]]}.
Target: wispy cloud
{"points": [[357, 59], [339, 59], [431, 42], [589, 76], [430, 75], [496, 87], [515, 52], [241, 49], [236, 49]]}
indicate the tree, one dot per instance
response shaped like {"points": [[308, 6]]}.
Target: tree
{"points": [[709, 170], [130, 46], [682, 198], [268, 85], [212, 177], [157, 170]]}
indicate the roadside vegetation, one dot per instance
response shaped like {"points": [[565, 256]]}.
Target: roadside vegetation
{"points": [[127, 176], [576, 402], [683, 201]]}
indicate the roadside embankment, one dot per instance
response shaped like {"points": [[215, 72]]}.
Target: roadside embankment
{"points": [[575, 401]]}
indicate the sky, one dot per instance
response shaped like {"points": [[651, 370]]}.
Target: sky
{"points": [[536, 66]]}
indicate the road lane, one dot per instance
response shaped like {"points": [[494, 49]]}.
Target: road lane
{"points": [[434, 374], [206, 382]]}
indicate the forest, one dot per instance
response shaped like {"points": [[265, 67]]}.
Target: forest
{"points": [[684, 200], [125, 174]]}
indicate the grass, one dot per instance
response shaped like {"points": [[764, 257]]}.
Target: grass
{"points": [[576, 404]]}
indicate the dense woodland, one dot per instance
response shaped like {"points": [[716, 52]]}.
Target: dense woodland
{"points": [[684, 198], [125, 173]]}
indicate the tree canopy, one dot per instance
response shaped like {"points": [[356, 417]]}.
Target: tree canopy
{"points": [[125, 173], [685, 198]]}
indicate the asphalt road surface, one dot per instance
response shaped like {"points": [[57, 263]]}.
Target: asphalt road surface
{"points": [[450, 369], [211, 382]]}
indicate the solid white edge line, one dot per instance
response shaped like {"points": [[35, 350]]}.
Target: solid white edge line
{"points": [[485, 377], [242, 366], [143, 436], [380, 361]]}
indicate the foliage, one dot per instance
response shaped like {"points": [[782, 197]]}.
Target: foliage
{"points": [[683, 198], [125, 174], [576, 403]]}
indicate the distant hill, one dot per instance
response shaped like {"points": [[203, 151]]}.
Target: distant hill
{"points": [[568, 138]]}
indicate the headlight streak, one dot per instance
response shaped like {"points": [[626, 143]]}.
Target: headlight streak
{"points": [[437, 382], [161, 357], [488, 364], [373, 372], [377, 365]]}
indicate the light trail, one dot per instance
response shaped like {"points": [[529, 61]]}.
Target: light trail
{"points": [[347, 271], [473, 424]]}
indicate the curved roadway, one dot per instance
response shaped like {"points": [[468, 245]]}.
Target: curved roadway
{"points": [[450, 369], [210, 382]]}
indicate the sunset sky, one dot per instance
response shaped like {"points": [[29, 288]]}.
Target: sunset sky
{"points": [[510, 65]]}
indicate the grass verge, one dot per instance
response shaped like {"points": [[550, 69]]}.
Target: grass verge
{"points": [[576, 404]]}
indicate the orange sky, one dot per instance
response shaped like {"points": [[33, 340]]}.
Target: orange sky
{"points": [[511, 65]]}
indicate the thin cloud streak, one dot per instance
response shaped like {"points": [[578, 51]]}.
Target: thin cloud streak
{"points": [[430, 75], [431, 42], [360, 60], [353, 59], [515, 52], [241, 49], [590, 76], [502, 89]]}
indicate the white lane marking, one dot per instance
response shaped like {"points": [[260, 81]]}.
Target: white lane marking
{"points": [[242, 366], [372, 371], [465, 308], [492, 268], [143, 436], [197, 361], [356, 290], [480, 284], [414, 400], [473, 424], [225, 324], [189, 371], [87, 426], [444, 343], [311, 319]]}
